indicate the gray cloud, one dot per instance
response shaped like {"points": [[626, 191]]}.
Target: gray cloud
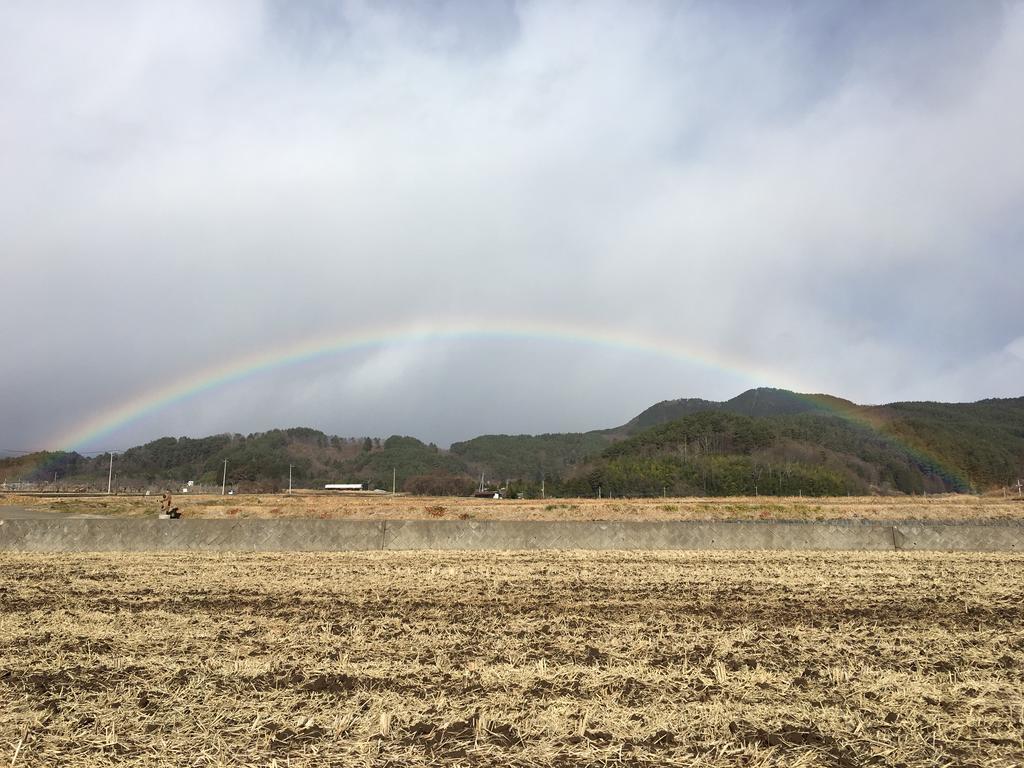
{"points": [[827, 194]]}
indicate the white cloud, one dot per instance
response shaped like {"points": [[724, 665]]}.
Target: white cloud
{"points": [[841, 209], [1016, 348]]}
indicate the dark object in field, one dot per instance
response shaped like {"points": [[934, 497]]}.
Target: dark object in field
{"points": [[166, 509]]}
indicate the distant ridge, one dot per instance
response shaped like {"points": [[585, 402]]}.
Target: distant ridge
{"points": [[765, 441], [763, 401]]}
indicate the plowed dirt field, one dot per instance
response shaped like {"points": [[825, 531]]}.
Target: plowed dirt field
{"points": [[539, 659]]}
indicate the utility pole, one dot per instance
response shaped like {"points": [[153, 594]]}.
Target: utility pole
{"points": [[542, 487], [394, 476], [110, 472], [224, 478], [290, 477]]}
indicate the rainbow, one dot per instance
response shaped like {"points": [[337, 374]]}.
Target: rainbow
{"points": [[872, 418], [103, 423]]}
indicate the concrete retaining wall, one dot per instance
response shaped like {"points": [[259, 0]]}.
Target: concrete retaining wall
{"points": [[431, 534], [111, 535], [302, 535], [965, 538]]}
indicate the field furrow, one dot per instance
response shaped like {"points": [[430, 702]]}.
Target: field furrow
{"points": [[559, 659]]}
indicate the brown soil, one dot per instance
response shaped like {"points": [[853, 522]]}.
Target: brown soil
{"points": [[512, 659]]}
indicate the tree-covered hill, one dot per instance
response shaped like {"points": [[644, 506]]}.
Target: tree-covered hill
{"points": [[982, 441], [767, 441], [259, 461], [721, 453], [529, 458], [764, 401], [667, 410]]}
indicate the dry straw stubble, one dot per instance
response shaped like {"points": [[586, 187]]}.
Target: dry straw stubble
{"points": [[512, 659]]}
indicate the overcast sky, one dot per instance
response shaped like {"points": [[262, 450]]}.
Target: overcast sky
{"points": [[827, 195]]}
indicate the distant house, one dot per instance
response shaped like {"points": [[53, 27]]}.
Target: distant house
{"points": [[344, 487]]}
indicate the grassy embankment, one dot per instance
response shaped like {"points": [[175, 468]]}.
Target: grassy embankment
{"points": [[383, 506]]}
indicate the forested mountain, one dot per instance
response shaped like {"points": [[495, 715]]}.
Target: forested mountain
{"points": [[530, 458], [819, 444], [764, 441], [754, 402], [257, 461], [718, 453]]}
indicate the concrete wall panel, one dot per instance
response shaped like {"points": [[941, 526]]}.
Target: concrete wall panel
{"points": [[957, 537], [150, 535], [301, 535], [459, 534]]}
